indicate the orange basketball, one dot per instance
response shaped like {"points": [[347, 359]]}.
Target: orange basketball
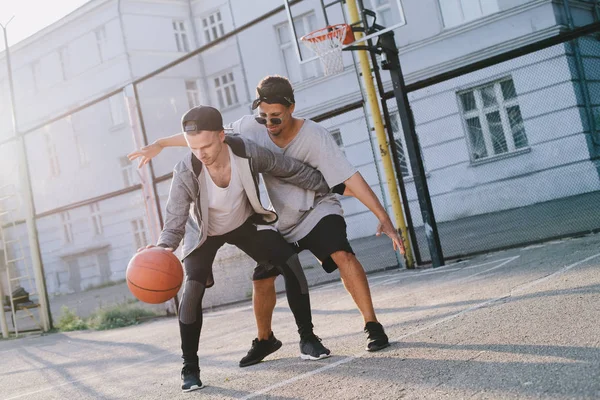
{"points": [[154, 275]]}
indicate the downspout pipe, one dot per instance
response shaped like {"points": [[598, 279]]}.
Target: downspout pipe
{"points": [[581, 75]]}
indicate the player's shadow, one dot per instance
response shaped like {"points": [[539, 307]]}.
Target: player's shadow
{"points": [[456, 307], [397, 366], [50, 371], [141, 352], [587, 289]]}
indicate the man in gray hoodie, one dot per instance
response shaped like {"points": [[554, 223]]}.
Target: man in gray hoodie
{"points": [[308, 220], [219, 180]]}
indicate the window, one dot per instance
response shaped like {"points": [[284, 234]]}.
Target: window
{"points": [[213, 27], [226, 92], [383, 9], [400, 145], [193, 96], [63, 55], [100, 34], [181, 38], [96, 219], [52, 155], [138, 227], [36, 71], [67, 228], [130, 178], [295, 71], [493, 119], [116, 110], [84, 158], [337, 136], [457, 12]]}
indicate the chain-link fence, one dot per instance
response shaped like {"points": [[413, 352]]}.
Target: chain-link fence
{"points": [[510, 154], [510, 151]]}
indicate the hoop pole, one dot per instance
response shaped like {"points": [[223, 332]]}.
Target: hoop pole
{"points": [[388, 169]]}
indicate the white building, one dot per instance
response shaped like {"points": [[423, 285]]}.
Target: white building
{"points": [[491, 139]]}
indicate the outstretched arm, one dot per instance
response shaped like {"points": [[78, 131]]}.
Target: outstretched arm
{"points": [[146, 153], [287, 169], [356, 186]]}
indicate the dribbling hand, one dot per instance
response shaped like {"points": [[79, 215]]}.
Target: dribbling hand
{"points": [[151, 246]]}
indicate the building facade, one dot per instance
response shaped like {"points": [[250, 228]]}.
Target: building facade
{"points": [[491, 140]]}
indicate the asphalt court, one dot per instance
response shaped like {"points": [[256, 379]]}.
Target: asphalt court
{"points": [[512, 324]]}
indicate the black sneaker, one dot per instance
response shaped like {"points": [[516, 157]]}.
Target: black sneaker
{"points": [[259, 350], [190, 379], [376, 337], [311, 348]]}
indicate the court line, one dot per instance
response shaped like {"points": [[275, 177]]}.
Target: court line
{"points": [[437, 270], [488, 270], [89, 376], [426, 327], [344, 360]]}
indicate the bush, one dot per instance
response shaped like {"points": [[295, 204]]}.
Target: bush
{"points": [[69, 321], [118, 316], [111, 317]]}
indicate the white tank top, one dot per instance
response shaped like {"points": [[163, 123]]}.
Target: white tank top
{"points": [[228, 207]]}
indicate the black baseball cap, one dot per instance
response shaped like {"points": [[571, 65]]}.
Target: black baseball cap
{"points": [[202, 118]]}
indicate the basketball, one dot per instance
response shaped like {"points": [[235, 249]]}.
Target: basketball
{"points": [[154, 275]]}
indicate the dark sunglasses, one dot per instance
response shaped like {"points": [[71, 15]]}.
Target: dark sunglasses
{"points": [[263, 121]]}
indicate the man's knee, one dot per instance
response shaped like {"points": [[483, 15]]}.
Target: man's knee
{"points": [[264, 286], [344, 259], [191, 301]]}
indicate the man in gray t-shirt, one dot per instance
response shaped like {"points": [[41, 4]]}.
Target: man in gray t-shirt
{"points": [[306, 220]]}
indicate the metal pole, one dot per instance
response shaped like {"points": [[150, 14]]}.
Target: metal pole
{"points": [[139, 117], [365, 108], [3, 323], [388, 45], [380, 133], [34, 245], [410, 228]]}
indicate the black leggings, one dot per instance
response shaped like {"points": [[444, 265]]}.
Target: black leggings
{"points": [[265, 246]]}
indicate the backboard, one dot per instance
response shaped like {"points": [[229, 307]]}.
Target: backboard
{"points": [[303, 18]]}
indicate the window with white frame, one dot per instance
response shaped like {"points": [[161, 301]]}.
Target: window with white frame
{"points": [[96, 219], [213, 27], [138, 228], [226, 90], [193, 95], [337, 137], [388, 13], [295, 71], [52, 155], [400, 145], [457, 12], [63, 55], [493, 119], [116, 110], [36, 72], [128, 174], [67, 228], [181, 37], [101, 42], [82, 153]]}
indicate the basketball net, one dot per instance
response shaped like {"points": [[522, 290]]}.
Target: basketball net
{"points": [[327, 44]]}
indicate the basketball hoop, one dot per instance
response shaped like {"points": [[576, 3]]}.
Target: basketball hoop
{"points": [[327, 44]]}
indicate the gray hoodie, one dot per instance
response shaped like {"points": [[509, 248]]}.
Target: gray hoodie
{"points": [[189, 187]]}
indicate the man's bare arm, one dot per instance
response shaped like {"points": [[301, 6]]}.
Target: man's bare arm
{"points": [[146, 153], [356, 186]]}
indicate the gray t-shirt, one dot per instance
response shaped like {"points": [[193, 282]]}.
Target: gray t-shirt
{"points": [[300, 210]]}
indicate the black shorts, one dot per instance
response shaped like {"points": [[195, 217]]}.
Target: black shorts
{"points": [[264, 246], [326, 238]]}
